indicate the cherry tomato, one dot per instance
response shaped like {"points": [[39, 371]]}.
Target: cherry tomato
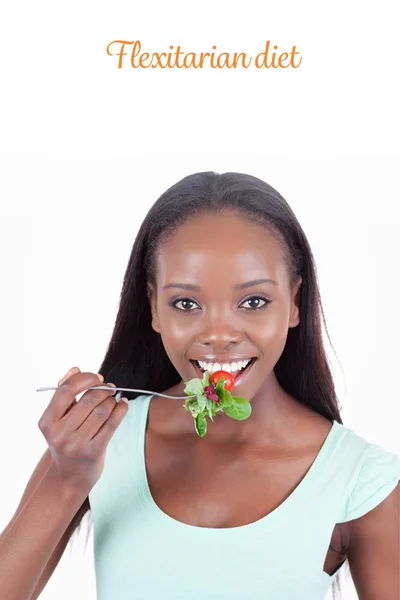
{"points": [[229, 379]]}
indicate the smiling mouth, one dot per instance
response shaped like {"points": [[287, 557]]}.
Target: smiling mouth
{"points": [[236, 374]]}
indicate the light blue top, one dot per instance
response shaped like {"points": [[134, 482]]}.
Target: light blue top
{"points": [[141, 553]]}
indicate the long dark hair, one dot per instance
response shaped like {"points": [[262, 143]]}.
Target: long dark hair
{"points": [[135, 356]]}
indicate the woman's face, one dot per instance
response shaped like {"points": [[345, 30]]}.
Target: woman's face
{"points": [[208, 306]]}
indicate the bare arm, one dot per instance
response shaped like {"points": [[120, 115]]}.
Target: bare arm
{"points": [[374, 553], [35, 478], [59, 551], [33, 542], [56, 496], [54, 559]]}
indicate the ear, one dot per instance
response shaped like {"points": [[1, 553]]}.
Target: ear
{"points": [[295, 307], [152, 296]]}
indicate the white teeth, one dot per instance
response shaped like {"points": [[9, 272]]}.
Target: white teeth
{"points": [[230, 367]]}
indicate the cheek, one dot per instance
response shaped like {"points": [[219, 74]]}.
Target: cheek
{"points": [[176, 327], [271, 332], [176, 331]]}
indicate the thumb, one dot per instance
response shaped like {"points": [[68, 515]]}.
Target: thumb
{"points": [[71, 372]]}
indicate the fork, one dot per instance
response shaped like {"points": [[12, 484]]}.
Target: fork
{"points": [[120, 389]]}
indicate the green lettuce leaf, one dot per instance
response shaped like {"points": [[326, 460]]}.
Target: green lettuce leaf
{"points": [[202, 401], [219, 388], [194, 387], [226, 398], [206, 379], [200, 424], [240, 409]]}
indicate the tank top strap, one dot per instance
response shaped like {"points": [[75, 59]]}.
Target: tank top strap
{"points": [[120, 480], [138, 412]]}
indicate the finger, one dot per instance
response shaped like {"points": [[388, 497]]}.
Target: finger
{"points": [[65, 394], [89, 402], [74, 402], [96, 419], [107, 429], [67, 375]]}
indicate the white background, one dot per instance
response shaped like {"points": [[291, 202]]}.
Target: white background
{"points": [[87, 148]]}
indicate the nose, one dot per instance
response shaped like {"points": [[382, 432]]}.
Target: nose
{"points": [[220, 336]]}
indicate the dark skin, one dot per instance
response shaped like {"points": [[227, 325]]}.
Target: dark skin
{"points": [[224, 479]]}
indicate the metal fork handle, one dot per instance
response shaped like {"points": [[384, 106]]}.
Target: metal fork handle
{"points": [[120, 389]]}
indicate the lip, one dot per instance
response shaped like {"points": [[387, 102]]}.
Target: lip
{"points": [[222, 359], [238, 380]]}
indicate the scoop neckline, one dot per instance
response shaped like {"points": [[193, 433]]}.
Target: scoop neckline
{"points": [[270, 519]]}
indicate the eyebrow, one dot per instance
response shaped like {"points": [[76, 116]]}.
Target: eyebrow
{"points": [[238, 286]]}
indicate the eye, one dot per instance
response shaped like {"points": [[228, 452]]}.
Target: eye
{"points": [[186, 303], [255, 300]]}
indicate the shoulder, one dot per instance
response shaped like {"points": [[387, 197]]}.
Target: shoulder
{"points": [[376, 473]]}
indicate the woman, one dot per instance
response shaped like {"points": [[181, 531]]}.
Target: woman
{"points": [[269, 507]]}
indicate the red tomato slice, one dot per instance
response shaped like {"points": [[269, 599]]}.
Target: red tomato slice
{"points": [[229, 379]]}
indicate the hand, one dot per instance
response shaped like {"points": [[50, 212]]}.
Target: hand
{"points": [[78, 433]]}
